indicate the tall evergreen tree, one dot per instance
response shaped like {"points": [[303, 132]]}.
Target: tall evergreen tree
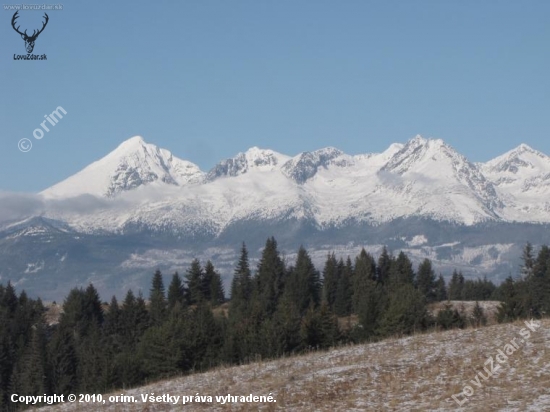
{"points": [[63, 362], [456, 286], [510, 307], [111, 325], [213, 285], [406, 312], [528, 261], [286, 326], [426, 281], [344, 291], [176, 292], [9, 299], [303, 282], [401, 271], [195, 282], [241, 285], [157, 300], [364, 277], [478, 316], [384, 266], [33, 363], [162, 350], [319, 328], [440, 289], [535, 296], [330, 280], [134, 319], [269, 279]]}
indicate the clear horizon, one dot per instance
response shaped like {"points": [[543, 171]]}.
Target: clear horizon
{"points": [[208, 80]]}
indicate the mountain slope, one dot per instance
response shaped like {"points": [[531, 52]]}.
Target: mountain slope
{"points": [[522, 179], [132, 164], [417, 373]]}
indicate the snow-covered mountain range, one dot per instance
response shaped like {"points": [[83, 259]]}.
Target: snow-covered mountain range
{"points": [[140, 208], [422, 178]]}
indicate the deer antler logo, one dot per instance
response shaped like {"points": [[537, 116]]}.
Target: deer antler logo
{"points": [[29, 40]]}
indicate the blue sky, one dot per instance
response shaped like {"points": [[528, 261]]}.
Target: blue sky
{"points": [[207, 79]]}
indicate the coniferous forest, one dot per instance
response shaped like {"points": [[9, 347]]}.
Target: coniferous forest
{"points": [[278, 308]]}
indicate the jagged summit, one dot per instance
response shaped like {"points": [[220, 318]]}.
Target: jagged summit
{"points": [[305, 165], [521, 158], [132, 164], [253, 159]]}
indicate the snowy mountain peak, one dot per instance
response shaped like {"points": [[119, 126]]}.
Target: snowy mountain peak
{"points": [[132, 142], [132, 164], [525, 148], [418, 140], [394, 148], [522, 159], [421, 153], [253, 159], [431, 167], [264, 158], [305, 165]]}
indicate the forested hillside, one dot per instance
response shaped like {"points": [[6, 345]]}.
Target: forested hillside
{"points": [[280, 308]]}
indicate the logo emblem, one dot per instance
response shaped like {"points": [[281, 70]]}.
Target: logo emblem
{"points": [[29, 40]]}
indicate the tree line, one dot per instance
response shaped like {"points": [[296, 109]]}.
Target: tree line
{"points": [[275, 310]]}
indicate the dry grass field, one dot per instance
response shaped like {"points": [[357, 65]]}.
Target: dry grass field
{"points": [[415, 373]]}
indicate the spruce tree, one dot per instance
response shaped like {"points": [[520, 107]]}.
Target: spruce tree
{"points": [[406, 312], [364, 277], [303, 282], [162, 351], [329, 327], [269, 281], [34, 363], [440, 289], [510, 308], [63, 362], [134, 319], [426, 281], [344, 292], [112, 321], [92, 305], [449, 318], [176, 292], [330, 280], [90, 362], [238, 343], [213, 285], [478, 316], [311, 330], [286, 324], [384, 266], [528, 261], [9, 299], [195, 283], [241, 285], [204, 339], [157, 300], [456, 286], [401, 271]]}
